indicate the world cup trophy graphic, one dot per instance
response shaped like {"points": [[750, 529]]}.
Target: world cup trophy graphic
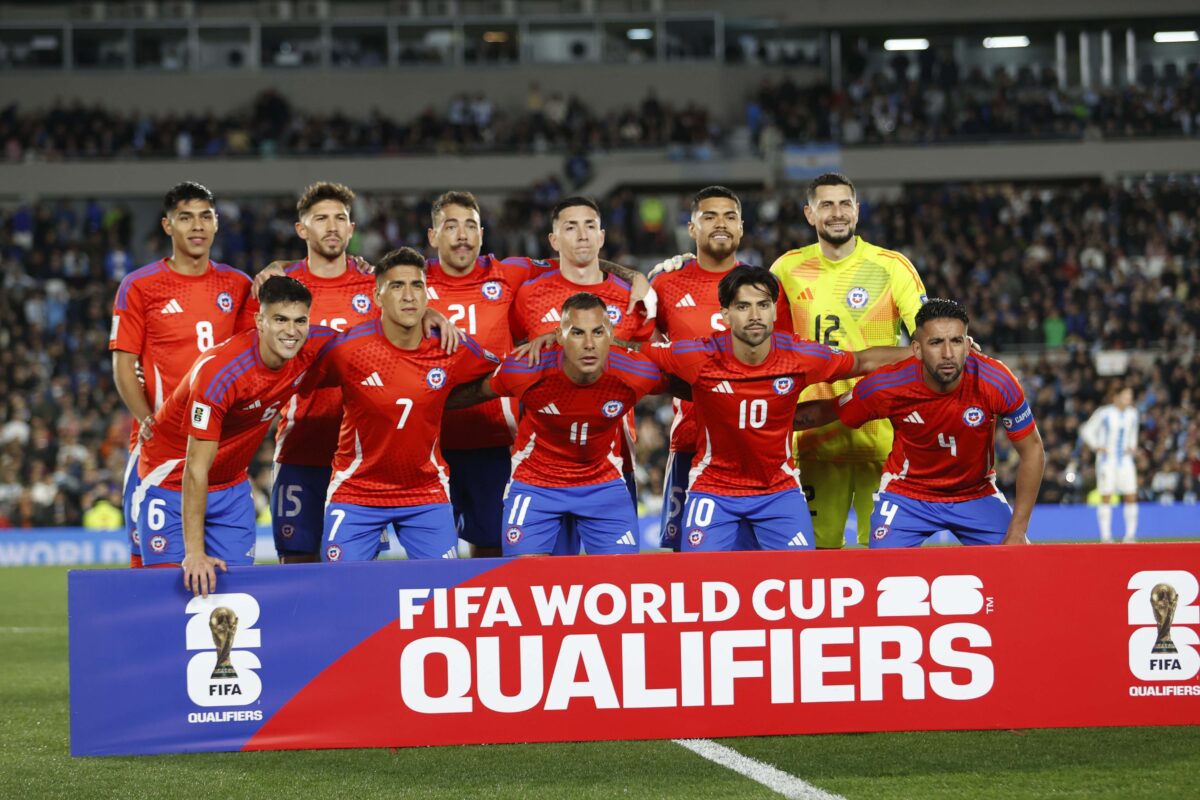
{"points": [[1163, 599], [223, 624]]}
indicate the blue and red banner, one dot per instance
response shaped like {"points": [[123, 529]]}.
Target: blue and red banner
{"points": [[635, 647]]}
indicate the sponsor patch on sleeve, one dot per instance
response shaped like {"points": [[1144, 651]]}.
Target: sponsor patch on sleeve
{"points": [[200, 416]]}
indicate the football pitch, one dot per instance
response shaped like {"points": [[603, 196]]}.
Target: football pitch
{"points": [[35, 762]]}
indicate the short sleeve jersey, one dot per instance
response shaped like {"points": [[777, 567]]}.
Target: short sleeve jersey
{"points": [[744, 412], [230, 396], [309, 423], [167, 319], [688, 309], [388, 453], [537, 309], [855, 303], [944, 443], [567, 435], [479, 303]]}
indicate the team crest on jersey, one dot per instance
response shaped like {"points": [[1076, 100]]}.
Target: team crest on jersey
{"points": [[492, 290], [783, 385], [435, 378], [880, 532], [614, 314], [361, 303], [974, 416], [612, 408], [695, 537], [540, 262], [288, 531], [513, 534], [137, 537], [158, 543], [333, 553], [225, 302], [858, 297]]}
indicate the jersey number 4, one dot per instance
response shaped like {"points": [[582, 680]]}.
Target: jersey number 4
{"points": [[949, 443]]}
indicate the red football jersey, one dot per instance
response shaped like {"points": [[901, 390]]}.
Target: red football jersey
{"points": [[388, 452], [538, 307], [479, 302], [943, 449], [568, 436], [309, 424], [688, 309], [230, 396], [168, 319], [744, 413]]}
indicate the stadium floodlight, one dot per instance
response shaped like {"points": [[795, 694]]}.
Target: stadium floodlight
{"points": [[906, 44], [1170, 37], [998, 42], [639, 34]]}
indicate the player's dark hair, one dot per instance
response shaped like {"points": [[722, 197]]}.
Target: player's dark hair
{"points": [[582, 301], [282, 289], [709, 192], [571, 202], [183, 192], [453, 198], [829, 179], [401, 256], [743, 275], [941, 308], [324, 190]]}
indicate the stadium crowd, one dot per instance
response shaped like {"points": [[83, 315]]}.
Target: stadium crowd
{"points": [[1050, 271]]}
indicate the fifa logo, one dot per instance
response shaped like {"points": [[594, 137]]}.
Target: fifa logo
{"points": [[222, 628], [1159, 648]]}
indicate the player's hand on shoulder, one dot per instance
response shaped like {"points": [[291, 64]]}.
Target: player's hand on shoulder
{"points": [[272, 270], [200, 573], [360, 265], [532, 350], [436, 320], [671, 264], [974, 345]]}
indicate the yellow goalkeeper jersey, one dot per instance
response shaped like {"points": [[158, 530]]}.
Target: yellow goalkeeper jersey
{"points": [[853, 304]]}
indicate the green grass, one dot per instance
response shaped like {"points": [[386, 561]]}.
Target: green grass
{"points": [[1156, 763]]}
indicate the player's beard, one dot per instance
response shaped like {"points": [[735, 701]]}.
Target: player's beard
{"points": [[330, 252], [941, 378], [836, 241], [719, 251], [755, 337]]}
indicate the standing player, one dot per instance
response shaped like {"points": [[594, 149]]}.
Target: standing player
{"points": [[745, 384], [1112, 432], [307, 436], [846, 293], [476, 292], [689, 310], [388, 469], [165, 315], [193, 502], [944, 403], [567, 468]]}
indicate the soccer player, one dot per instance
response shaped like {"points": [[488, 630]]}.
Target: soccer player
{"points": [[688, 309], [847, 293], [944, 403], [165, 315], [567, 468], [388, 469], [193, 503], [1112, 432], [307, 436], [744, 384]]}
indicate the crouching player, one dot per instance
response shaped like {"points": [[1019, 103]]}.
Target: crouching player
{"points": [[193, 501], [567, 465], [943, 403]]}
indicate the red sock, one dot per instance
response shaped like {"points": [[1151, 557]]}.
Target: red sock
{"points": [[135, 561]]}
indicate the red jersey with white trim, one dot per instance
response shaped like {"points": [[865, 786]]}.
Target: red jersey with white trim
{"points": [[943, 449], [567, 435], [479, 302], [167, 319], [230, 396], [688, 308], [744, 412], [388, 452], [309, 424], [537, 309]]}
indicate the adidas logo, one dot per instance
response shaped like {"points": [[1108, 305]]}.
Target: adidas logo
{"points": [[807, 294], [552, 316], [431, 293], [723, 388], [628, 539], [914, 418], [372, 380], [550, 409], [687, 301], [173, 307], [254, 405], [451, 553], [798, 541]]}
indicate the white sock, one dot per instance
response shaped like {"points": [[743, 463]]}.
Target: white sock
{"points": [[1104, 517], [1131, 514]]}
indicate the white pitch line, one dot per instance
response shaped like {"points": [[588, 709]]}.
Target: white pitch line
{"points": [[774, 779], [31, 630]]}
